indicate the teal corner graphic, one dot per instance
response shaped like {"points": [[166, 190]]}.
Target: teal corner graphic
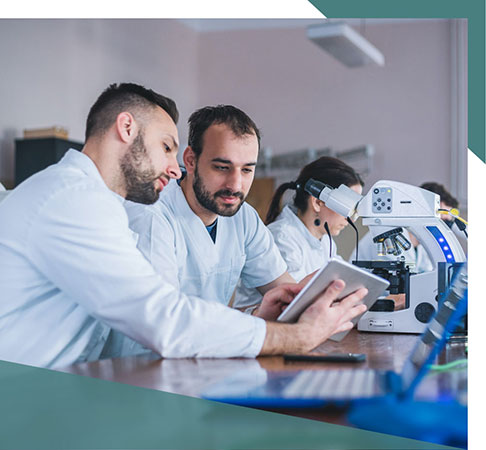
{"points": [[44, 409], [472, 10]]}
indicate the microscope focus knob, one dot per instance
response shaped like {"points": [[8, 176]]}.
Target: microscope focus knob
{"points": [[424, 311]]}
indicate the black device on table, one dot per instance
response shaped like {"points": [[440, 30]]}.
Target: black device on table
{"points": [[329, 357]]}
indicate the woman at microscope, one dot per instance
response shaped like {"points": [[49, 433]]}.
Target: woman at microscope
{"points": [[303, 230]]}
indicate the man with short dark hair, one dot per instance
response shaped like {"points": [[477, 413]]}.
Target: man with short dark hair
{"points": [[201, 234], [70, 272]]}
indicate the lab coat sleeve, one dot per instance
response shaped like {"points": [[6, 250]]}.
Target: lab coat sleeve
{"points": [[85, 248], [245, 296], [263, 262], [292, 253], [423, 264]]}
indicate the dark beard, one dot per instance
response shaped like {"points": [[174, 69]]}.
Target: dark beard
{"points": [[139, 183], [208, 200]]}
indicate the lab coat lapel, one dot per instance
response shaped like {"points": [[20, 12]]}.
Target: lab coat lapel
{"points": [[195, 230], [224, 236]]}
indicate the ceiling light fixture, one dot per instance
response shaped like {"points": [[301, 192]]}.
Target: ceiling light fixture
{"points": [[345, 44]]}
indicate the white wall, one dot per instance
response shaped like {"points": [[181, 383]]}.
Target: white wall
{"points": [[302, 97], [53, 70]]}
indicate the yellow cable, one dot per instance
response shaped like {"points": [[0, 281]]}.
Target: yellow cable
{"points": [[454, 213]]}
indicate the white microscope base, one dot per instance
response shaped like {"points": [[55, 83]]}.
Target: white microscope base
{"points": [[423, 290], [391, 322]]}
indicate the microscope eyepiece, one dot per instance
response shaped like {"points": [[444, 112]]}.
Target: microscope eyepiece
{"points": [[314, 187]]}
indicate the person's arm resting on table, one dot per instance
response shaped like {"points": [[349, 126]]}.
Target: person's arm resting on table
{"points": [[317, 323], [88, 252]]}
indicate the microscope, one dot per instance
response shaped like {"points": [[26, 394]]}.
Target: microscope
{"points": [[387, 209]]}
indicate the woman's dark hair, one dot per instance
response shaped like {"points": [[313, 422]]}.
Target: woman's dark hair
{"points": [[331, 171]]}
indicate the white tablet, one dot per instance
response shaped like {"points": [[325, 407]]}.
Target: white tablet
{"points": [[353, 276]]}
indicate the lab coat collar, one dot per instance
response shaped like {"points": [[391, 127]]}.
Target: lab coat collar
{"points": [[180, 207], [83, 162], [289, 213]]}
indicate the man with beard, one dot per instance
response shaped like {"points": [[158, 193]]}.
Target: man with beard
{"points": [[70, 272], [201, 234]]}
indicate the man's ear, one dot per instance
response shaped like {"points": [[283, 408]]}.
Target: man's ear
{"points": [[126, 127], [190, 160]]}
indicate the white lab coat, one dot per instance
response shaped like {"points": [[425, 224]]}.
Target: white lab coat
{"points": [[3, 192], [178, 245], [302, 252], [70, 272]]}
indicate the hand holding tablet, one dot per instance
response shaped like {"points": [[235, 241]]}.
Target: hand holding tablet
{"points": [[354, 277]]}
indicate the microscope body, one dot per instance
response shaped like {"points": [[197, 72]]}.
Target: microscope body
{"points": [[386, 209]]}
